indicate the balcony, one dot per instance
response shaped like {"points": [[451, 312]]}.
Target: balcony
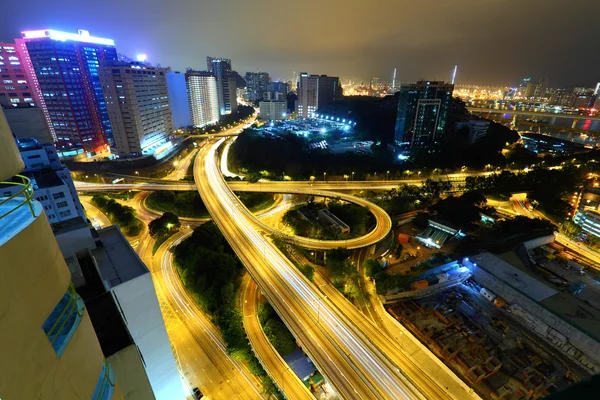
{"points": [[18, 210], [64, 320]]}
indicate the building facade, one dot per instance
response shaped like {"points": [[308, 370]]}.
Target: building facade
{"points": [[67, 69], [220, 68], [16, 82], [137, 101], [180, 109], [272, 110], [256, 85], [422, 112], [316, 91], [202, 97], [48, 344]]}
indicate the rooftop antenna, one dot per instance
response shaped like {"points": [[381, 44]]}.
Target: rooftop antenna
{"points": [[454, 74], [394, 80]]}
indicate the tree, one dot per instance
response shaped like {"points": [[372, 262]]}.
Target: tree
{"points": [[434, 188], [166, 223], [308, 271], [372, 267]]}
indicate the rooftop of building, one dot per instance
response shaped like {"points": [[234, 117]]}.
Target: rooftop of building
{"points": [[112, 332], [27, 144], [69, 225], [45, 178], [513, 276], [117, 261], [300, 364]]}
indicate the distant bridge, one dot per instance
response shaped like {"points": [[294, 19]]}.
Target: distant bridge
{"points": [[533, 113]]}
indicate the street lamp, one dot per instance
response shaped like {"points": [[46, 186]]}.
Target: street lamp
{"points": [[137, 173], [387, 175], [353, 176], [324, 176]]}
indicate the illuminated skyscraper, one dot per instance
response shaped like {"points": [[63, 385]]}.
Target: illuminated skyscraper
{"points": [[66, 66], [220, 68], [422, 112], [202, 97], [256, 85], [316, 91], [137, 101]]}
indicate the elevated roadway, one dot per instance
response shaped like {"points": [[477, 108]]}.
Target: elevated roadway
{"points": [[351, 360]]}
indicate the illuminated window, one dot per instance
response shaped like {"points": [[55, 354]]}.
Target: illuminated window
{"points": [[64, 320], [8, 81]]}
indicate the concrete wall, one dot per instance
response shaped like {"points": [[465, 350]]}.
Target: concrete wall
{"points": [[33, 278], [131, 375], [541, 241], [140, 307], [556, 331]]}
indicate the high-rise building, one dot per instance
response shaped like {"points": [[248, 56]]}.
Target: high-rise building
{"points": [[316, 91], [272, 110], [422, 112], [220, 68], [67, 69], [541, 88], [278, 87], [522, 89], [202, 97], [48, 344], [137, 101], [256, 85], [180, 108], [16, 83]]}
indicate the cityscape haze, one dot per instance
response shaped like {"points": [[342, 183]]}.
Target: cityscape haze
{"points": [[334, 200]]}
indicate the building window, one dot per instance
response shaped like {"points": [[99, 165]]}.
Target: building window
{"points": [[59, 195], [106, 383], [65, 213], [64, 320], [61, 204]]}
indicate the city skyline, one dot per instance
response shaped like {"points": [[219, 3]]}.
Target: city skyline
{"points": [[380, 40]]}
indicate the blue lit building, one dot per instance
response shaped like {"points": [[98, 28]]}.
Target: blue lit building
{"points": [[67, 70], [178, 97], [422, 113]]}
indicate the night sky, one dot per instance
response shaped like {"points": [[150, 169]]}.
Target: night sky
{"points": [[492, 41]]}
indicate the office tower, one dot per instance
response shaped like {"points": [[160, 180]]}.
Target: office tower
{"points": [[530, 90], [374, 83], [178, 97], [316, 91], [220, 68], [278, 87], [16, 84], [272, 110], [66, 66], [48, 345], [541, 88], [137, 101], [202, 97], [522, 89], [422, 112], [256, 85]]}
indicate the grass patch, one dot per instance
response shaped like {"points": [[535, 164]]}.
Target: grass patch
{"points": [[159, 241]]}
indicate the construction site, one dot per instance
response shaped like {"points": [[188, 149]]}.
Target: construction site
{"points": [[498, 356]]}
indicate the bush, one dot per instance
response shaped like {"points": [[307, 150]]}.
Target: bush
{"points": [[122, 216]]}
